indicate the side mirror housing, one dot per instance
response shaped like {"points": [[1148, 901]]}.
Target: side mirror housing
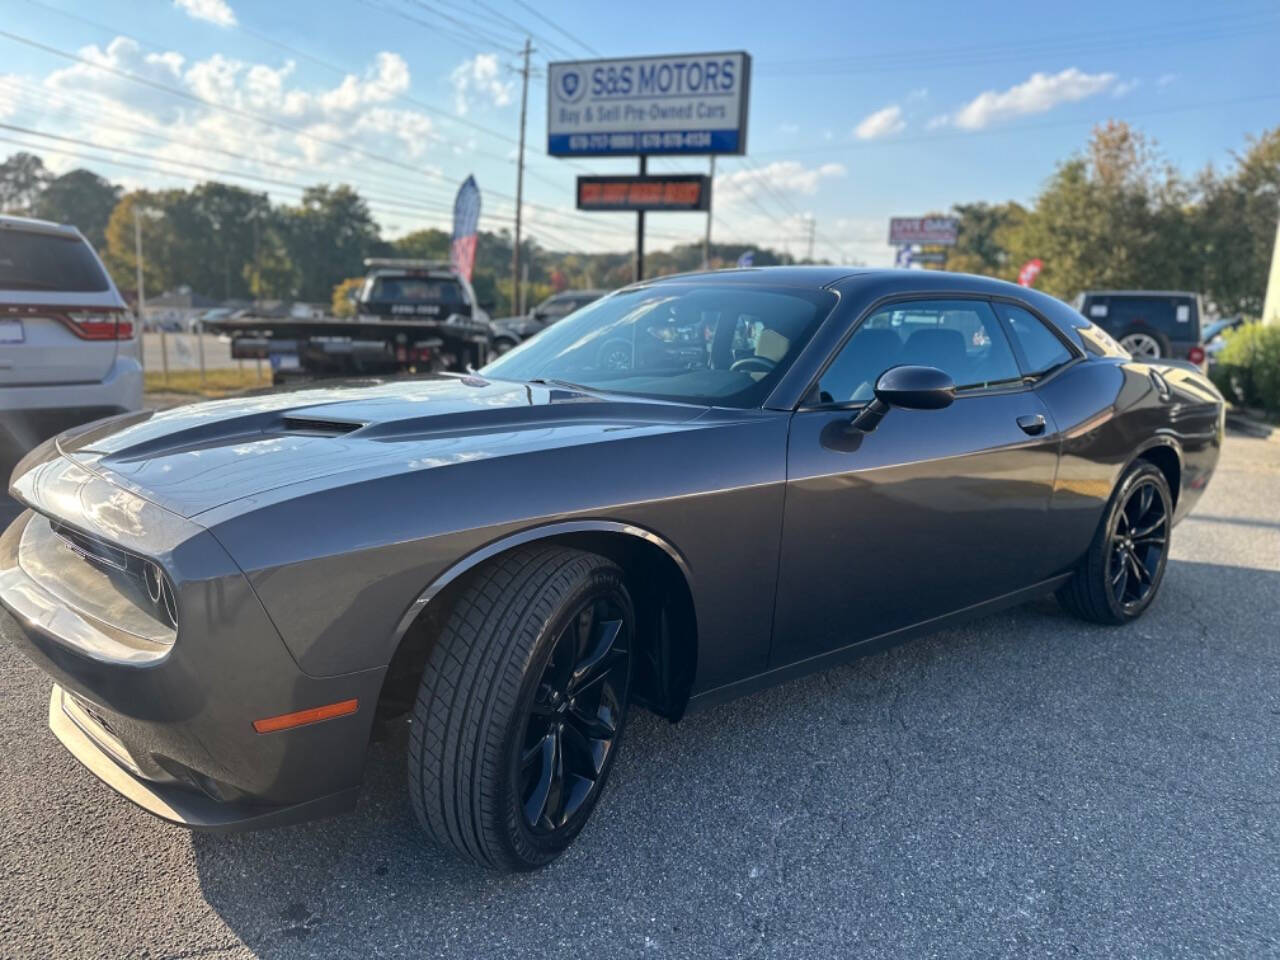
{"points": [[909, 387]]}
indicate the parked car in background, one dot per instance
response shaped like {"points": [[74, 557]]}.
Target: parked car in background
{"points": [[1150, 324], [694, 488], [509, 331], [69, 348]]}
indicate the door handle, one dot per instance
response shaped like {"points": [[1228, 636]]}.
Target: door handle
{"points": [[1032, 423]]}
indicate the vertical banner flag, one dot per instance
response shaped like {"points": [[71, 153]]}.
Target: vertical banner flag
{"points": [[903, 257], [466, 220], [1030, 270], [747, 259]]}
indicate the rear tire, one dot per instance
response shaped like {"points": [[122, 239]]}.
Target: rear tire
{"points": [[1120, 575], [521, 707]]}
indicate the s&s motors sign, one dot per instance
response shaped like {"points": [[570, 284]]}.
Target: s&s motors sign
{"points": [[695, 103]]}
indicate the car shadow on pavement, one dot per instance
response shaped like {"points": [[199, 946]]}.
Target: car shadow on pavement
{"points": [[1026, 777]]}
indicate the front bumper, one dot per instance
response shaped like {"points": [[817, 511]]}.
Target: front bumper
{"points": [[108, 760], [175, 733]]}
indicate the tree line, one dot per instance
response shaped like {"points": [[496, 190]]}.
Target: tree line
{"points": [[230, 243], [1114, 215]]}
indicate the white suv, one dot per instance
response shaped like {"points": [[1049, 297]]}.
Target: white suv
{"points": [[69, 348]]}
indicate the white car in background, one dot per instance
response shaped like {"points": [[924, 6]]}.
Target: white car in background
{"points": [[69, 347]]}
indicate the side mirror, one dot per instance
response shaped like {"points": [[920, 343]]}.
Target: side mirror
{"points": [[909, 387]]}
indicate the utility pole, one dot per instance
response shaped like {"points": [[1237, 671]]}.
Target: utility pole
{"points": [[812, 225], [706, 240], [517, 304]]}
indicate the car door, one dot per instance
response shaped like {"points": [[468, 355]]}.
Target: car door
{"points": [[930, 512]]}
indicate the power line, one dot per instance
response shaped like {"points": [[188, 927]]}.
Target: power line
{"points": [[1016, 129], [175, 91], [1212, 28], [559, 29], [547, 43]]}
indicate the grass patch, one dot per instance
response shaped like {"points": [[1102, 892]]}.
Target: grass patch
{"points": [[215, 383]]}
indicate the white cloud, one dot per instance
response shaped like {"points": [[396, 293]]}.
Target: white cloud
{"points": [[919, 94], [1038, 94], [109, 111], [1125, 87], [8, 95], [479, 79], [782, 176], [789, 129], [882, 123], [214, 11], [1165, 79]]}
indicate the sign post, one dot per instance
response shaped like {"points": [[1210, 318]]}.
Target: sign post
{"points": [[646, 106]]}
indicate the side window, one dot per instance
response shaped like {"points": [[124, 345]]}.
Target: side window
{"points": [[960, 337], [1041, 350]]}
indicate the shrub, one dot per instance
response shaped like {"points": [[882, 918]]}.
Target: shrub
{"points": [[1248, 369]]}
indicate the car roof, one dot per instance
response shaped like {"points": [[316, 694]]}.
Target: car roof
{"points": [[32, 225], [882, 282], [814, 277]]}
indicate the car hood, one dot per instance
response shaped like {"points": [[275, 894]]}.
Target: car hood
{"points": [[194, 458]]}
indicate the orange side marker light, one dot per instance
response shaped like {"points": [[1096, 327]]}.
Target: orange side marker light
{"points": [[300, 718]]}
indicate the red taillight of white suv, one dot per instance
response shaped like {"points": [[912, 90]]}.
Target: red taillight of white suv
{"points": [[100, 325]]}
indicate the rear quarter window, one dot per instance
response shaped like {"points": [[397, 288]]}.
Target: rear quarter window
{"points": [[45, 262]]}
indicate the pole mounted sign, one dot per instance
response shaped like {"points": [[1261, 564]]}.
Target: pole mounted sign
{"points": [[677, 191], [695, 103], [925, 231]]}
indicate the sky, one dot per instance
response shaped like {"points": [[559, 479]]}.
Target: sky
{"points": [[858, 111]]}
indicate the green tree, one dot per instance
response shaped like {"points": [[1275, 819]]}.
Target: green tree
{"points": [[82, 198], [328, 235], [1235, 226], [22, 178], [1112, 217], [982, 243], [163, 263]]}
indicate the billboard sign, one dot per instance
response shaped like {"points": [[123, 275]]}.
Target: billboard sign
{"points": [[694, 103], [925, 231], [672, 192]]}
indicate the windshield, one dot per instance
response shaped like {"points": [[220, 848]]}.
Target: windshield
{"points": [[716, 345]]}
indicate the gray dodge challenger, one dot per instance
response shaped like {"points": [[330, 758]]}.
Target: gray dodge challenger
{"points": [[693, 488]]}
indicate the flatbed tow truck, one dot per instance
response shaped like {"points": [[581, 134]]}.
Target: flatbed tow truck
{"points": [[411, 316]]}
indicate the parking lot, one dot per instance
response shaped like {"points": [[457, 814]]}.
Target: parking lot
{"points": [[1026, 785]]}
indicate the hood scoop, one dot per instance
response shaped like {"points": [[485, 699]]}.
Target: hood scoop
{"points": [[317, 427]]}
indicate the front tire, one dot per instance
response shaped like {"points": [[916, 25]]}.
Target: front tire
{"points": [[1120, 575], [521, 707]]}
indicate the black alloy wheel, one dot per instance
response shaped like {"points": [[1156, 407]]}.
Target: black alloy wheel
{"points": [[1120, 574], [1139, 542], [521, 707], [575, 718]]}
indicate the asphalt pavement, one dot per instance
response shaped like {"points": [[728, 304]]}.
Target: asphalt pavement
{"points": [[1027, 785]]}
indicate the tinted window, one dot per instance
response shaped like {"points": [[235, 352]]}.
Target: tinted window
{"points": [[1173, 316], [40, 261], [960, 337], [418, 290], [1041, 349], [724, 345]]}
